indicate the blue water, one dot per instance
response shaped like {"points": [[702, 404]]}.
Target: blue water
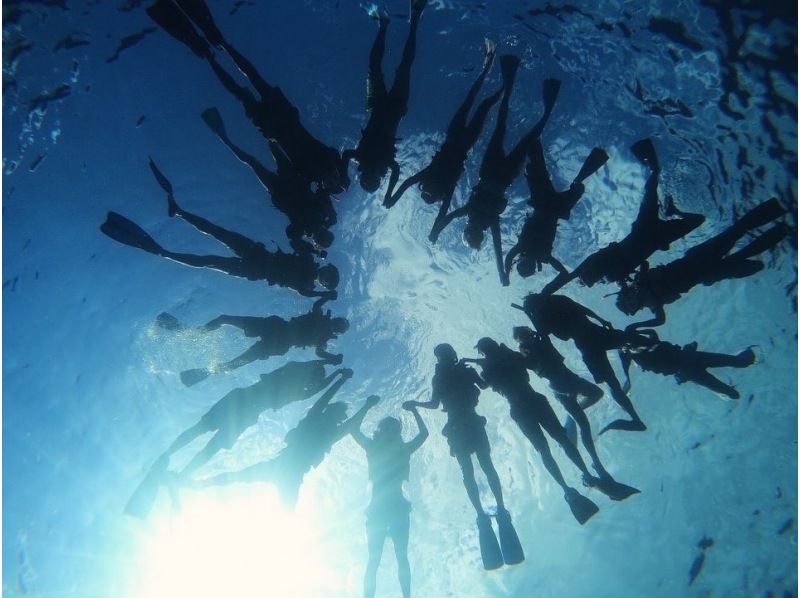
{"points": [[91, 394]]}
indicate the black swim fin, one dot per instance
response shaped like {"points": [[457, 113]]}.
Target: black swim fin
{"points": [[213, 119], [509, 63], [509, 541], [582, 508], [592, 164], [171, 19], [198, 12], [613, 489], [628, 425], [762, 242], [168, 322], [129, 233], [192, 377], [645, 152], [144, 497], [490, 549]]}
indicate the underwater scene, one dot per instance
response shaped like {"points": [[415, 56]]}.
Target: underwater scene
{"points": [[443, 298]]}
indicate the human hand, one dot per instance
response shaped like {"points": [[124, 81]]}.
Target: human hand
{"points": [[410, 405], [372, 400], [337, 359], [346, 373]]}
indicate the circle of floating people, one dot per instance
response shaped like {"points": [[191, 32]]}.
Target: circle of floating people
{"points": [[307, 175]]}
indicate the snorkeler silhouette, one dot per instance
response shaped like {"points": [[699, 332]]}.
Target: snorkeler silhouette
{"points": [[706, 264], [456, 387], [310, 213], [253, 261], [487, 200], [234, 413], [544, 359], [375, 152], [566, 319], [306, 446], [438, 180], [649, 233], [504, 370], [276, 336], [388, 513], [268, 108], [535, 244], [686, 364]]}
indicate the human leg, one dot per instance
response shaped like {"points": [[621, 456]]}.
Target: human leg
{"points": [[485, 461], [376, 88], [704, 378], [236, 242], [376, 537], [471, 486], [400, 532]]}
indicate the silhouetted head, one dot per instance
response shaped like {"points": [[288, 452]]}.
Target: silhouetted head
{"points": [[527, 266], [524, 334], [339, 325], [532, 302], [328, 276], [628, 299], [473, 235], [323, 237], [370, 180], [487, 346], [445, 353], [389, 428]]}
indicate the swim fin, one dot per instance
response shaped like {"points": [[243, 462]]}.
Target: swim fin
{"points": [[645, 152], [628, 425], [509, 541], [490, 549], [171, 19], [129, 233], [582, 508], [592, 164], [763, 242], [144, 497], [198, 12], [168, 322], [213, 119], [509, 63], [611, 488], [192, 377], [162, 180]]}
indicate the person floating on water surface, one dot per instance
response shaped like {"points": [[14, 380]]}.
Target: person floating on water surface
{"points": [[276, 336], [438, 180], [535, 244], [253, 261], [310, 212], [306, 446], [234, 413], [649, 233], [506, 373], [706, 264], [593, 336], [375, 152], [542, 358], [686, 363], [456, 387], [388, 514], [498, 170], [192, 24]]}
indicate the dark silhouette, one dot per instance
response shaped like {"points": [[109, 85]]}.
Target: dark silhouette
{"points": [[505, 372], [535, 244], [456, 387], [268, 108], [233, 414], [706, 264], [276, 336], [487, 201], [388, 514], [686, 364], [375, 152], [310, 212], [542, 358], [306, 446], [568, 320], [438, 180], [649, 233], [253, 261]]}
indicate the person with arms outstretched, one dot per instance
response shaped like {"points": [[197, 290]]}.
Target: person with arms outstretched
{"points": [[498, 170], [375, 152], [253, 261], [456, 387], [388, 514], [535, 244], [234, 413]]}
